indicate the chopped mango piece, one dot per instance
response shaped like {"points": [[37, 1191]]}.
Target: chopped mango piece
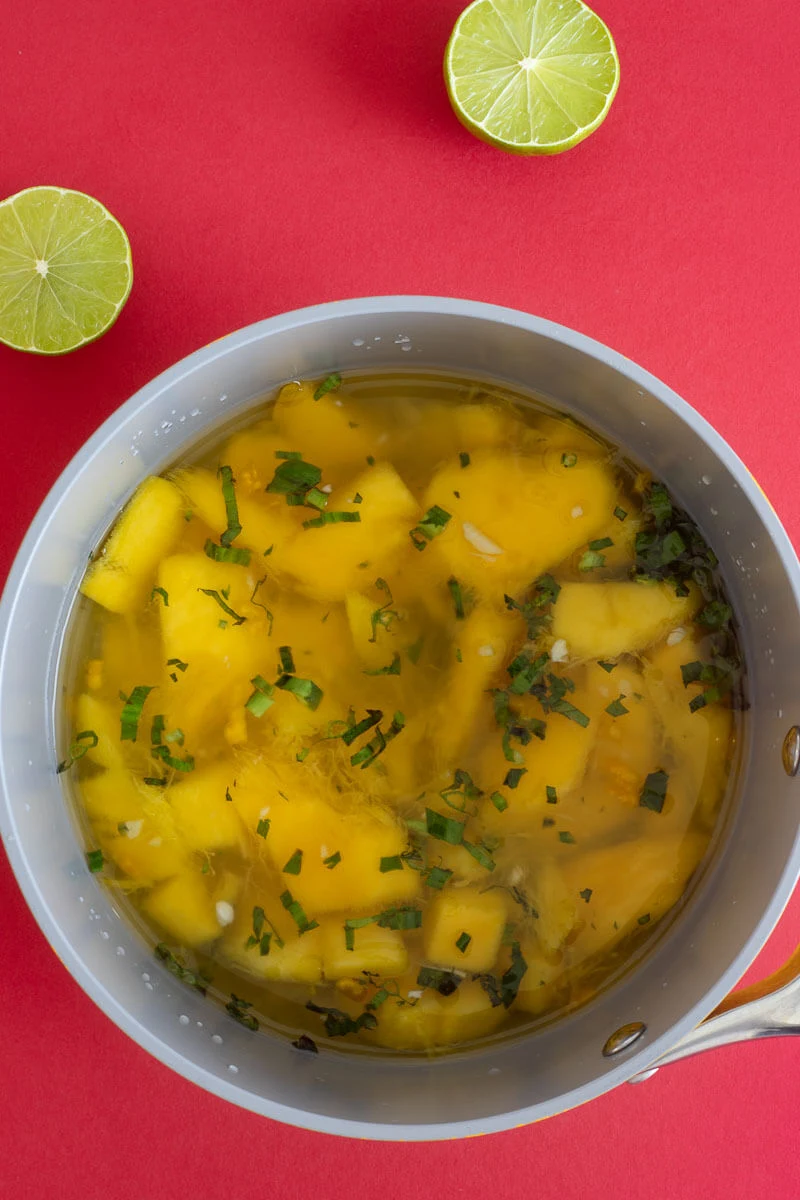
{"points": [[324, 430], [488, 543], [554, 903], [94, 714], [284, 955], [543, 982], [204, 817], [120, 577], [604, 620], [362, 835], [184, 910], [372, 642], [455, 912], [251, 456], [381, 951], [628, 884], [422, 1022], [330, 560], [265, 522]]}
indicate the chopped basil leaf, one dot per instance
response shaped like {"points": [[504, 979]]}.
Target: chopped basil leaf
{"points": [[458, 597], [509, 984], [444, 829], [337, 1023], [176, 967], [715, 615], [261, 699], [332, 860], [157, 729], [153, 781], [480, 854], [215, 595], [159, 591], [331, 384], [228, 554], [547, 822], [286, 660], [84, 741], [392, 669], [431, 525], [370, 460], [552, 794], [464, 459], [643, 920], [607, 666], [304, 1042], [374, 715], [131, 712], [295, 863], [297, 914], [620, 513], [569, 459], [566, 837], [441, 981], [591, 560], [654, 791], [231, 508], [586, 894], [262, 828], [616, 708], [513, 776], [258, 603], [237, 1008], [499, 801], [415, 650], [177, 664], [462, 942], [332, 518], [404, 917], [169, 760], [94, 860], [367, 754], [437, 877], [302, 689], [392, 862], [601, 543]]}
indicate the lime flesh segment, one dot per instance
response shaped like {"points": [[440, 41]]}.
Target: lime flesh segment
{"points": [[531, 76], [65, 270]]}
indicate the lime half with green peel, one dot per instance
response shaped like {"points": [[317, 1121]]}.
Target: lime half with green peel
{"points": [[531, 76], [65, 270]]}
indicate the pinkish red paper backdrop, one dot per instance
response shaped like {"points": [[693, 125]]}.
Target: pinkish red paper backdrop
{"points": [[265, 156]]}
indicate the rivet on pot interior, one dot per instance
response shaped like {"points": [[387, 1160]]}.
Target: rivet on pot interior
{"points": [[623, 1038], [791, 751]]}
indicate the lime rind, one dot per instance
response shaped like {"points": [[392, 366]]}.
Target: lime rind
{"points": [[531, 76], [65, 270]]}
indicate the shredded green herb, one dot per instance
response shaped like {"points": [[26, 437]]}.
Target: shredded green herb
{"points": [[432, 524], [591, 561], [176, 966], [159, 591], [392, 669], [566, 837], [258, 603], [607, 666], [332, 518], [295, 911], [643, 920], [131, 712], [331, 384], [457, 595], [84, 741], [392, 862], [295, 864], [367, 754], [443, 828], [462, 941], [620, 513], [332, 860], [586, 895], [616, 708], [481, 854], [499, 801], [215, 595], [569, 459], [94, 860], [231, 508], [513, 776], [262, 828], [552, 794], [437, 877], [261, 699], [439, 980], [654, 791], [227, 554], [237, 1008], [338, 1023], [463, 458]]}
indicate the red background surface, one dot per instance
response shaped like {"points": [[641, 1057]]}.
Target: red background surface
{"points": [[264, 156]]}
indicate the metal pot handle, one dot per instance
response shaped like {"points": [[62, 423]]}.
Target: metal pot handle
{"points": [[770, 1008]]}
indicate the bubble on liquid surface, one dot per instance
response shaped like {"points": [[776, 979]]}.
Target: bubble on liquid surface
{"points": [[216, 1039], [358, 342], [706, 479], [121, 951], [234, 1070], [183, 1019]]}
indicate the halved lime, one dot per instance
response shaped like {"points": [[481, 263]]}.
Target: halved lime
{"points": [[531, 76], [65, 270]]}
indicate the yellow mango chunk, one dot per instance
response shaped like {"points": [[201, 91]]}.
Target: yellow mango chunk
{"points": [[250, 455], [559, 761], [204, 818], [554, 903], [629, 883], [374, 645], [325, 430], [515, 517], [184, 910], [484, 639], [435, 1020], [297, 960], [328, 562], [265, 521], [458, 860], [121, 577], [362, 836], [444, 431], [136, 830], [95, 714], [604, 620], [542, 984], [382, 951], [481, 915]]}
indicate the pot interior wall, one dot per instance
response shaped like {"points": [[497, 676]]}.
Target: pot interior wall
{"points": [[691, 966]]}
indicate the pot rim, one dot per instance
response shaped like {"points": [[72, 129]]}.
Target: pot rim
{"points": [[13, 590]]}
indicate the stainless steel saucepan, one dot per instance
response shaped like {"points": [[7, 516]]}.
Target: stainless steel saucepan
{"points": [[657, 1011]]}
